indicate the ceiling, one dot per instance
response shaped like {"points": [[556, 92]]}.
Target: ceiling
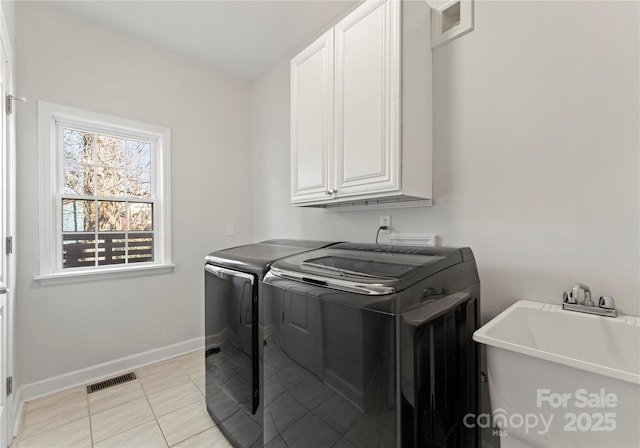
{"points": [[242, 38]]}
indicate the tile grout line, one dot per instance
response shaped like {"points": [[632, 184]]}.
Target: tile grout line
{"points": [[126, 401], [184, 370], [38, 432], [123, 404], [154, 412], [155, 416], [121, 431], [90, 424], [194, 435], [180, 407]]}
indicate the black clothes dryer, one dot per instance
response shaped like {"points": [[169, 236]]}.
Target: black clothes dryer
{"points": [[233, 335]]}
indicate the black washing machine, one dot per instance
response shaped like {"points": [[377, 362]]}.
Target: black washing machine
{"points": [[371, 346]]}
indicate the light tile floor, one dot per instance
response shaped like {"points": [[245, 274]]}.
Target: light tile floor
{"points": [[164, 407]]}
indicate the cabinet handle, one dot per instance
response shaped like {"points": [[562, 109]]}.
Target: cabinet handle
{"points": [[334, 191]]}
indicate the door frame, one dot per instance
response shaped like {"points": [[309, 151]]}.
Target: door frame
{"points": [[12, 404]]}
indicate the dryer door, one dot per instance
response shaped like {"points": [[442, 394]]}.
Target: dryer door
{"points": [[231, 339]]}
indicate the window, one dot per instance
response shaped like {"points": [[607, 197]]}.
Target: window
{"points": [[104, 193]]}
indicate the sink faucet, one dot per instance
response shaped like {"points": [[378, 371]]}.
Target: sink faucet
{"points": [[575, 291], [570, 302]]}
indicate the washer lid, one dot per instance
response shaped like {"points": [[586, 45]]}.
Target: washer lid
{"points": [[367, 268]]}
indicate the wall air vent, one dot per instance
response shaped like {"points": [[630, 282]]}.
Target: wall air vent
{"points": [[95, 387], [450, 19]]}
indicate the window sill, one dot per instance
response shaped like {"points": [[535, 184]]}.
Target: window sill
{"points": [[101, 274]]}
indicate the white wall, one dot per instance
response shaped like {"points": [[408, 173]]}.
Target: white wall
{"points": [[68, 60], [9, 11], [536, 158]]}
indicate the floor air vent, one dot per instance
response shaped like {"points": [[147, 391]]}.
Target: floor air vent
{"points": [[95, 387]]}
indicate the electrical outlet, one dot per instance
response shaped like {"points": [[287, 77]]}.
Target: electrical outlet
{"points": [[385, 221]]}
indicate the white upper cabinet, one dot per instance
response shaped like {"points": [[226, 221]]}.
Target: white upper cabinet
{"points": [[366, 140], [361, 108], [312, 120]]}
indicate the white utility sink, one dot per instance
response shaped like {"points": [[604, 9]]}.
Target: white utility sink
{"points": [[563, 378]]}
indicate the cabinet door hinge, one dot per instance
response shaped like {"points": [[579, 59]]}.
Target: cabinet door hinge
{"points": [[9, 385], [8, 245]]}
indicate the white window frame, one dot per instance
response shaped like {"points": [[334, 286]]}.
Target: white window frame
{"points": [[50, 116]]}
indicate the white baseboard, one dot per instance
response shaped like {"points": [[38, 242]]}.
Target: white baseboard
{"points": [[31, 391]]}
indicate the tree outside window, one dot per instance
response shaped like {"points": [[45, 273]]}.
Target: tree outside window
{"points": [[107, 202]]}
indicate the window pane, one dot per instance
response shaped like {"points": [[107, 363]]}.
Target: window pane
{"points": [[78, 250], [78, 215], [110, 182], [138, 154], [140, 216], [78, 179], [111, 248], [110, 150], [111, 216], [77, 145], [138, 183], [109, 192], [140, 247]]}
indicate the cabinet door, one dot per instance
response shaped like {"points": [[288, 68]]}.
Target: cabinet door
{"points": [[367, 99], [312, 121]]}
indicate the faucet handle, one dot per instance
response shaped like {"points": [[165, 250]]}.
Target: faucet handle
{"points": [[567, 297], [606, 302], [587, 299]]}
